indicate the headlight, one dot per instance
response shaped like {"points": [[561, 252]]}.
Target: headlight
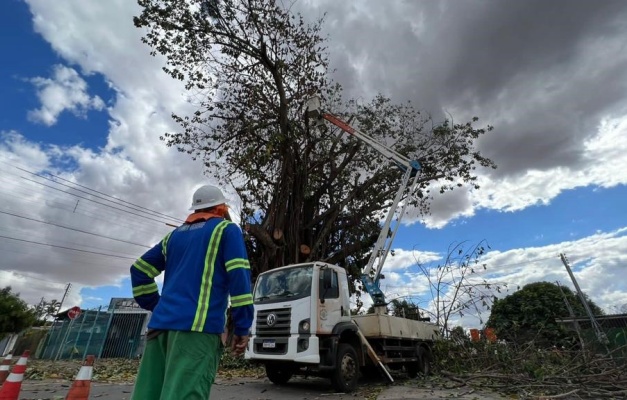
{"points": [[303, 326]]}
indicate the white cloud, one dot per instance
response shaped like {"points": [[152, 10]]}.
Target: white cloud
{"points": [[65, 91], [603, 166], [549, 96], [604, 154], [403, 259], [15, 149], [599, 263], [32, 289], [134, 165]]}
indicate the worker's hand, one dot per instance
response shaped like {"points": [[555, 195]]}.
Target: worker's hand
{"points": [[239, 343]]}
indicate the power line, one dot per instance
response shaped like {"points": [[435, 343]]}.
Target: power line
{"points": [[27, 194], [75, 258], [66, 248], [73, 229], [94, 201], [106, 197], [135, 206], [118, 199], [44, 235]]}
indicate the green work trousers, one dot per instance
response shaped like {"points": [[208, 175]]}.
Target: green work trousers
{"points": [[178, 365]]}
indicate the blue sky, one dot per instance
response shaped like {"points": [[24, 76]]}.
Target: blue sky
{"points": [[83, 100]]}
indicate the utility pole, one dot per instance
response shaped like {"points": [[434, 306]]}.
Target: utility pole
{"points": [[601, 337], [56, 317], [67, 290], [571, 312]]}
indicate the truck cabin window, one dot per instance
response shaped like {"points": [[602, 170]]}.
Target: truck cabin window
{"points": [[290, 283], [331, 290]]}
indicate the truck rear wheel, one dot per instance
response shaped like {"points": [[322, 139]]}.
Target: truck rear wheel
{"points": [[424, 361], [412, 369], [422, 365], [278, 374], [346, 374]]}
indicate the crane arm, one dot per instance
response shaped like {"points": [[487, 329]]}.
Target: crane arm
{"points": [[372, 272]]}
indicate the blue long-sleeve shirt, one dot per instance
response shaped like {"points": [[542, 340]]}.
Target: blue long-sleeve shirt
{"points": [[204, 263]]}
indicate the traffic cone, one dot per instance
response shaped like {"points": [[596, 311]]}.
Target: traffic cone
{"points": [[82, 384], [12, 386], [4, 368]]}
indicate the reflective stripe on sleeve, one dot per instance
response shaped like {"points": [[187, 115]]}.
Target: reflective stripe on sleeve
{"points": [[144, 289], [237, 263], [241, 300], [164, 245], [146, 268]]}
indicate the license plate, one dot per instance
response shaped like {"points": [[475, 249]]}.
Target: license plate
{"points": [[269, 344]]}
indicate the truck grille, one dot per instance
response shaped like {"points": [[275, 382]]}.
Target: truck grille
{"points": [[281, 327]]}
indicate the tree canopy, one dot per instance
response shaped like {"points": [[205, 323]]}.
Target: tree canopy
{"points": [[529, 314], [15, 314], [308, 194], [46, 309]]}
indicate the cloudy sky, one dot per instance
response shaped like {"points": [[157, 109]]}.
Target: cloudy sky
{"points": [[87, 185]]}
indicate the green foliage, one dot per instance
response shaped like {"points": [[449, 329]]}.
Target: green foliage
{"points": [[251, 66], [529, 315], [15, 314], [458, 335], [529, 371], [400, 308], [467, 357], [405, 309]]}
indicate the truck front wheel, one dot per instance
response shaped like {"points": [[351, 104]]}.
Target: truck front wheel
{"points": [[278, 374], [346, 374]]}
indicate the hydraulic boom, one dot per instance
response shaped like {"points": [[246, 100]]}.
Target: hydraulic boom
{"points": [[372, 272]]}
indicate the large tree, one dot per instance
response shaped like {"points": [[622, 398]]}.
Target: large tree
{"points": [[308, 194], [15, 314], [530, 313]]}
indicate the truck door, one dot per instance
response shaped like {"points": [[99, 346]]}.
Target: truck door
{"points": [[330, 303]]}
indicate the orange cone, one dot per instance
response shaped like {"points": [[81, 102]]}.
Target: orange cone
{"points": [[12, 386], [4, 368], [82, 384]]}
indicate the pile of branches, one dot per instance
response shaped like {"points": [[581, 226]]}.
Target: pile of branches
{"points": [[125, 370], [539, 373]]}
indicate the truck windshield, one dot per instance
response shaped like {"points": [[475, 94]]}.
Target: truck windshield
{"points": [[292, 283]]}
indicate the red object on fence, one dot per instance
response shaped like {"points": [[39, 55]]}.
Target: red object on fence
{"points": [[474, 335], [74, 312]]}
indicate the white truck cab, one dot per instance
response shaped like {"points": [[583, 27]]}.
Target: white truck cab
{"points": [[293, 306]]}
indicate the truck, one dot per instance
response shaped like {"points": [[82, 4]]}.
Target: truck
{"points": [[302, 317]]}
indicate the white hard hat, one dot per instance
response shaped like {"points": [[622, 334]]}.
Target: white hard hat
{"points": [[207, 196]]}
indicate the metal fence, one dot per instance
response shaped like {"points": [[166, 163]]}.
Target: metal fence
{"points": [[105, 332]]}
